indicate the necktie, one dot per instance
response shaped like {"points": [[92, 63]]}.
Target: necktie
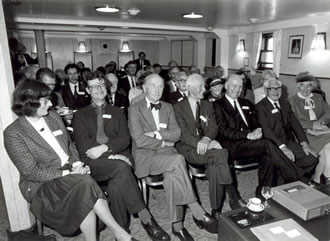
{"points": [[133, 81], [101, 137], [277, 106], [199, 130], [309, 103], [75, 91], [156, 106], [235, 106]]}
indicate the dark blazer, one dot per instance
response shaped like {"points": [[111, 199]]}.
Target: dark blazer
{"points": [[232, 127], [123, 84], [81, 101], [84, 124], [145, 149], [186, 121], [34, 158], [279, 126], [138, 64], [175, 97], [121, 100]]}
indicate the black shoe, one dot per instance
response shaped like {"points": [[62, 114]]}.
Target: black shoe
{"points": [[216, 213], [183, 235], [237, 203], [155, 232], [208, 223]]}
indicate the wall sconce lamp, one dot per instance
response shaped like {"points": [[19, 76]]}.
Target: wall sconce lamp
{"points": [[241, 45], [319, 42], [125, 47], [82, 48]]}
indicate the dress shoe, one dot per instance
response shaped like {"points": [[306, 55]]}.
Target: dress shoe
{"points": [[236, 203], [183, 235], [216, 213], [155, 232], [208, 223]]}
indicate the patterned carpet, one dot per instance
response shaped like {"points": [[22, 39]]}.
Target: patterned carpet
{"points": [[247, 184]]}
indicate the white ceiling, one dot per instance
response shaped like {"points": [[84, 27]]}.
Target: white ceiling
{"points": [[217, 13]]}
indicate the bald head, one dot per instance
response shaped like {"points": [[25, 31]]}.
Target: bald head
{"points": [[234, 86], [195, 86]]}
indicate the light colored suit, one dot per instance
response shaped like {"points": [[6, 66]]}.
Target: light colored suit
{"points": [[35, 159], [151, 158]]}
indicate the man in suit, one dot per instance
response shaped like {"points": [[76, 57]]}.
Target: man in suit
{"points": [[281, 126], [74, 92], [196, 119], [181, 92], [115, 97], [102, 139], [141, 62], [154, 131], [240, 132], [128, 81]]}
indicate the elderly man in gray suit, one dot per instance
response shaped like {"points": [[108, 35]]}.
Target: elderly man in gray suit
{"points": [[154, 131]]}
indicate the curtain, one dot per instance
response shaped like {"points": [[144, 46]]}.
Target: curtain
{"points": [[277, 35], [257, 40]]}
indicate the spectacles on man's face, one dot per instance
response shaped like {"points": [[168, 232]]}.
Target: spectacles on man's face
{"points": [[96, 87], [274, 88]]}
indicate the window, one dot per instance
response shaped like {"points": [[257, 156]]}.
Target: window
{"points": [[266, 58]]}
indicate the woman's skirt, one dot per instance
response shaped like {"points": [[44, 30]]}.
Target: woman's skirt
{"points": [[63, 203], [318, 142]]}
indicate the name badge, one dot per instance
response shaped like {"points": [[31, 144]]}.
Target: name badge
{"points": [[274, 111], [245, 107], [163, 125], [203, 118], [57, 132], [180, 99], [106, 116], [81, 93], [308, 107]]}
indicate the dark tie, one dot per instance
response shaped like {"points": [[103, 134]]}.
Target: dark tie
{"points": [[75, 94], [156, 106], [199, 130], [235, 106], [277, 106], [101, 137]]}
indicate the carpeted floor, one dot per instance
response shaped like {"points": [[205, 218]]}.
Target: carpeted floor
{"points": [[247, 183]]}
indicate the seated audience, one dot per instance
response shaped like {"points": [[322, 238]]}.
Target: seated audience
{"points": [[314, 116], [318, 90], [129, 80], [74, 91], [111, 67], [157, 68], [52, 179], [170, 85], [48, 77], [194, 70], [240, 133], [181, 92], [246, 92], [115, 97], [197, 144], [60, 77], [280, 125], [154, 131], [102, 139]]}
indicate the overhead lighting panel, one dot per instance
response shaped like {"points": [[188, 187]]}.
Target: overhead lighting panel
{"points": [[107, 9], [193, 15]]}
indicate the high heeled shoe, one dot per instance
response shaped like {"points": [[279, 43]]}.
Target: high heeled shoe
{"points": [[208, 223], [182, 234]]}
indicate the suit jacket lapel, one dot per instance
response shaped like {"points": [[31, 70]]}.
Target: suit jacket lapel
{"points": [[245, 115], [148, 115], [189, 113], [91, 120], [33, 134], [53, 126]]}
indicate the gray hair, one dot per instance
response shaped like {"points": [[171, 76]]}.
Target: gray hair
{"points": [[193, 80]]}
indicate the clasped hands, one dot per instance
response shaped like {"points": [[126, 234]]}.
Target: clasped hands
{"points": [[255, 135], [157, 136], [79, 168], [207, 144], [319, 125], [306, 148]]}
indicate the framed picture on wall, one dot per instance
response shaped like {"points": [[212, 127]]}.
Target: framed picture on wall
{"points": [[296, 43]]}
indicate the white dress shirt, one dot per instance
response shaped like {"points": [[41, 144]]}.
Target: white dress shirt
{"points": [[155, 114], [232, 102], [72, 87], [44, 131], [132, 81]]}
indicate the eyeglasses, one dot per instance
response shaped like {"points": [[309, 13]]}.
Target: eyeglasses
{"points": [[96, 87], [274, 88]]}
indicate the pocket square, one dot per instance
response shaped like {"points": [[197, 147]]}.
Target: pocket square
{"points": [[274, 111], [163, 125], [106, 116], [245, 107]]}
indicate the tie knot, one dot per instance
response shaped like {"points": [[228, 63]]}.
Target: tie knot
{"points": [[156, 106]]}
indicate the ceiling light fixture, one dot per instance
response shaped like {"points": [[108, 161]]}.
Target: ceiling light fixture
{"points": [[125, 47], [107, 9], [133, 11], [193, 15]]}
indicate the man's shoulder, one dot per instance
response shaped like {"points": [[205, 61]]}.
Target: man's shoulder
{"points": [[262, 103]]}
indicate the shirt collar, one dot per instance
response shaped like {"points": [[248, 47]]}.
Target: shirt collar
{"points": [[231, 100], [273, 102], [148, 102]]}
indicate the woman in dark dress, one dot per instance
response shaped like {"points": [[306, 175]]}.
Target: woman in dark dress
{"points": [[52, 179]]}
